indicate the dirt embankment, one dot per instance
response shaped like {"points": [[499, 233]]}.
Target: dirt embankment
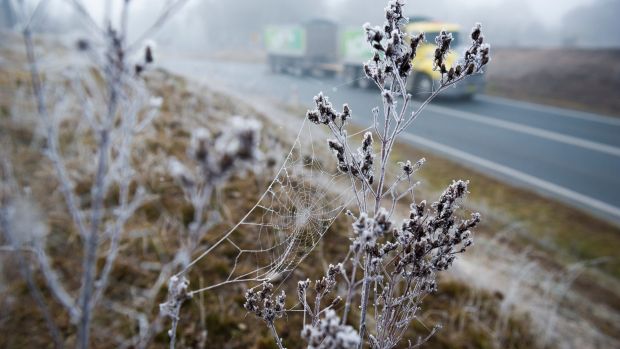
{"points": [[582, 79]]}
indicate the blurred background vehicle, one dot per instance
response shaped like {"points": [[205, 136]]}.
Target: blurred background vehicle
{"points": [[311, 48], [320, 47]]}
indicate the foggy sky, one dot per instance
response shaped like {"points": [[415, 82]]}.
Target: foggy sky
{"points": [[213, 24], [513, 22]]}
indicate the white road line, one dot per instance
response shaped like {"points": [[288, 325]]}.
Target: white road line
{"points": [[554, 136], [554, 110], [518, 175]]}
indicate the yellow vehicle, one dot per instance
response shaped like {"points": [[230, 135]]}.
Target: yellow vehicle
{"points": [[424, 79]]}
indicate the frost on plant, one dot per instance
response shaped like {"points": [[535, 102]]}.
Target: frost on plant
{"points": [[284, 225], [267, 307], [391, 266], [329, 333], [88, 118], [214, 158], [177, 295]]}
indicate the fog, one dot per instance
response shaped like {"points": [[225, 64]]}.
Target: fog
{"points": [[237, 24]]}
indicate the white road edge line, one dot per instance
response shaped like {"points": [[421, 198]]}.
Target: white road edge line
{"points": [[576, 114], [524, 177], [554, 136]]}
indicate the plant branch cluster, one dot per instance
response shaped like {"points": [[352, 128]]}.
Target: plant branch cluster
{"points": [[474, 59], [214, 158], [267, 307], [390, 267]]}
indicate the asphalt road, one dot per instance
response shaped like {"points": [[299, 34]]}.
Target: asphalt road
{"points": [[568, 155]]}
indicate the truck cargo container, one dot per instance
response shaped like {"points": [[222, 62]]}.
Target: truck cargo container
{"points": [[302, 49]]}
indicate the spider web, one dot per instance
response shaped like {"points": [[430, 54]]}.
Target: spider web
{"points": [[290, 218]]}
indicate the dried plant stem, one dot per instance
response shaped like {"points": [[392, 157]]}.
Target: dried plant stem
{"points": [[52, 151], [274, 333], [173, 329], [364, 301], [400, 261], [351, 289], [56, 287], [92, 240]]}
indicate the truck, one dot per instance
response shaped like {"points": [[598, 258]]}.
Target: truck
{"points": [[311, 48], [320, 47]]}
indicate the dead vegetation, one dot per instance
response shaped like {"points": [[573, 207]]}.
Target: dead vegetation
{"points": [[152, 236]]}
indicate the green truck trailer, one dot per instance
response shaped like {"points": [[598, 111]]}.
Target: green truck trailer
{"points": [[317, 47], [302, 49]]}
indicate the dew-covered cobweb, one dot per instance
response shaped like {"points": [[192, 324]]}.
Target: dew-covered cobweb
{"points": [[290, 218]]}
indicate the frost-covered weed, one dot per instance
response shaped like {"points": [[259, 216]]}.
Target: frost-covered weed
{"points": [[177, 294], [213, 158], [114, 107], [394, 265], [330, 333], [267, 307]]}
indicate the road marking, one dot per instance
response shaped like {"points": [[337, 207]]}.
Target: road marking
{"points": [[554, 136], [521, 176], [556, 110]]}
